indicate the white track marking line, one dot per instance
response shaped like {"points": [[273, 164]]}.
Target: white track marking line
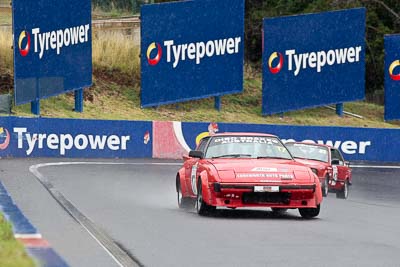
{"points": [[33, 236], [376, 166], [34, 170]]}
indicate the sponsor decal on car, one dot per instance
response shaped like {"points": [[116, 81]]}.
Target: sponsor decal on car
{"points": [[264, 169], [193, 178], [246, 139], [266, 175]]}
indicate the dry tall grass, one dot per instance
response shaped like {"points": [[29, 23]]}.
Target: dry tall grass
{"points": [[6, 53], [116, 50]]}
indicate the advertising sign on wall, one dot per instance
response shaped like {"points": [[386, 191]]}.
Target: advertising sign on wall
{"points": [[365, 144], [191, 50], [392, 77], [52, 47], [313, 60], [72, 138]]}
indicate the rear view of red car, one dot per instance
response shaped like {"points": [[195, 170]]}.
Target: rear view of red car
{"points": [[327, 163]]}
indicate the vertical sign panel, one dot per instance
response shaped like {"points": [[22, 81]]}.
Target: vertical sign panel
{"points": [[191, 50], [52, 47], [392, 77], [313, 60]]}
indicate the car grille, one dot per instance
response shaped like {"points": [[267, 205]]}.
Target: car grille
{"points": [[261, 197]]}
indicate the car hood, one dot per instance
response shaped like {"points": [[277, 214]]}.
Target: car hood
{"points": [[261, 170], [313, 163]]}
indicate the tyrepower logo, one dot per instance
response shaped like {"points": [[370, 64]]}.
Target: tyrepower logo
{"points": [[176, 53], [278, 67], [4, 138], [154, 61], [21, 40], [392, 73], [314, 60], [66, 142], [52, 40]]}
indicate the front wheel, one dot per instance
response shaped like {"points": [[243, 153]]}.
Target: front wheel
{"points": [[309, 213], [183, 202], [344, 192], [202, 207]]}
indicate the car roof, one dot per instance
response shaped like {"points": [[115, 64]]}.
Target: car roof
{"points": [[309, 143], [243, 133]]}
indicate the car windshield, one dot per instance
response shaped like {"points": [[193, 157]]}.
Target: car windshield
{"points": [[308, 151], [246, 147]]}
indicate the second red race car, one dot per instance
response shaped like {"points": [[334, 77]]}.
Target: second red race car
{"points": [[237, 170], [327, 163]]}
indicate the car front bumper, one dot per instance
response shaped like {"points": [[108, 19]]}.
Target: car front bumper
{"points": [[275, 196]]}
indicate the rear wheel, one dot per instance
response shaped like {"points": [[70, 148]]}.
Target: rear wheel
{"points": [[344, 192], [309, 213], [183, 202], [325, 187], [202, 207]]}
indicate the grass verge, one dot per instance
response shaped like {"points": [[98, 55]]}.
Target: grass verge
{"points": [[12, 253], [116, 96]]}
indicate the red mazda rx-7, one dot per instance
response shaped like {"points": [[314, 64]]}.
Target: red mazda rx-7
{"points": [[327, 163], [246, 170]]}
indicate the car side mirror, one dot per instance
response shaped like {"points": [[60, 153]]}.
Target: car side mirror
{"points": [[335, 162], [196, 154]]}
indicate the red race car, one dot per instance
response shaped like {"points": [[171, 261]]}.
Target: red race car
{"points": [[327, 163], [246, 170]]}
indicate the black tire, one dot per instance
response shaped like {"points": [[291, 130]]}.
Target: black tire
{"points": [[279, 210], [309, 213], [202, 207], [325, 187], [344, 193], [183, 202]]}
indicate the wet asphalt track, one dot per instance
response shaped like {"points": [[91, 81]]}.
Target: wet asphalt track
{"points": [[136, 206]]}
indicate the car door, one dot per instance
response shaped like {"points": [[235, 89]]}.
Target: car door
{"points": [[191, 167], [339, 170]]}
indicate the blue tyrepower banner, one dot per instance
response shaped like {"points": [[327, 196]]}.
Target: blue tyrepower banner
{"points": [[392, 77], [73, 138], [365, 144], [313, 60], [52, 47], [191, 50]]}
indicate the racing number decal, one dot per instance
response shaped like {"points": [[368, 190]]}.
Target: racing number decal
{"points": [[335, 174], [193, 178]]}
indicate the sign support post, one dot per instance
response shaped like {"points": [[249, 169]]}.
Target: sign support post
{"points": [[78, 94], [217, 103], [339, 109], [35, 107]]}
